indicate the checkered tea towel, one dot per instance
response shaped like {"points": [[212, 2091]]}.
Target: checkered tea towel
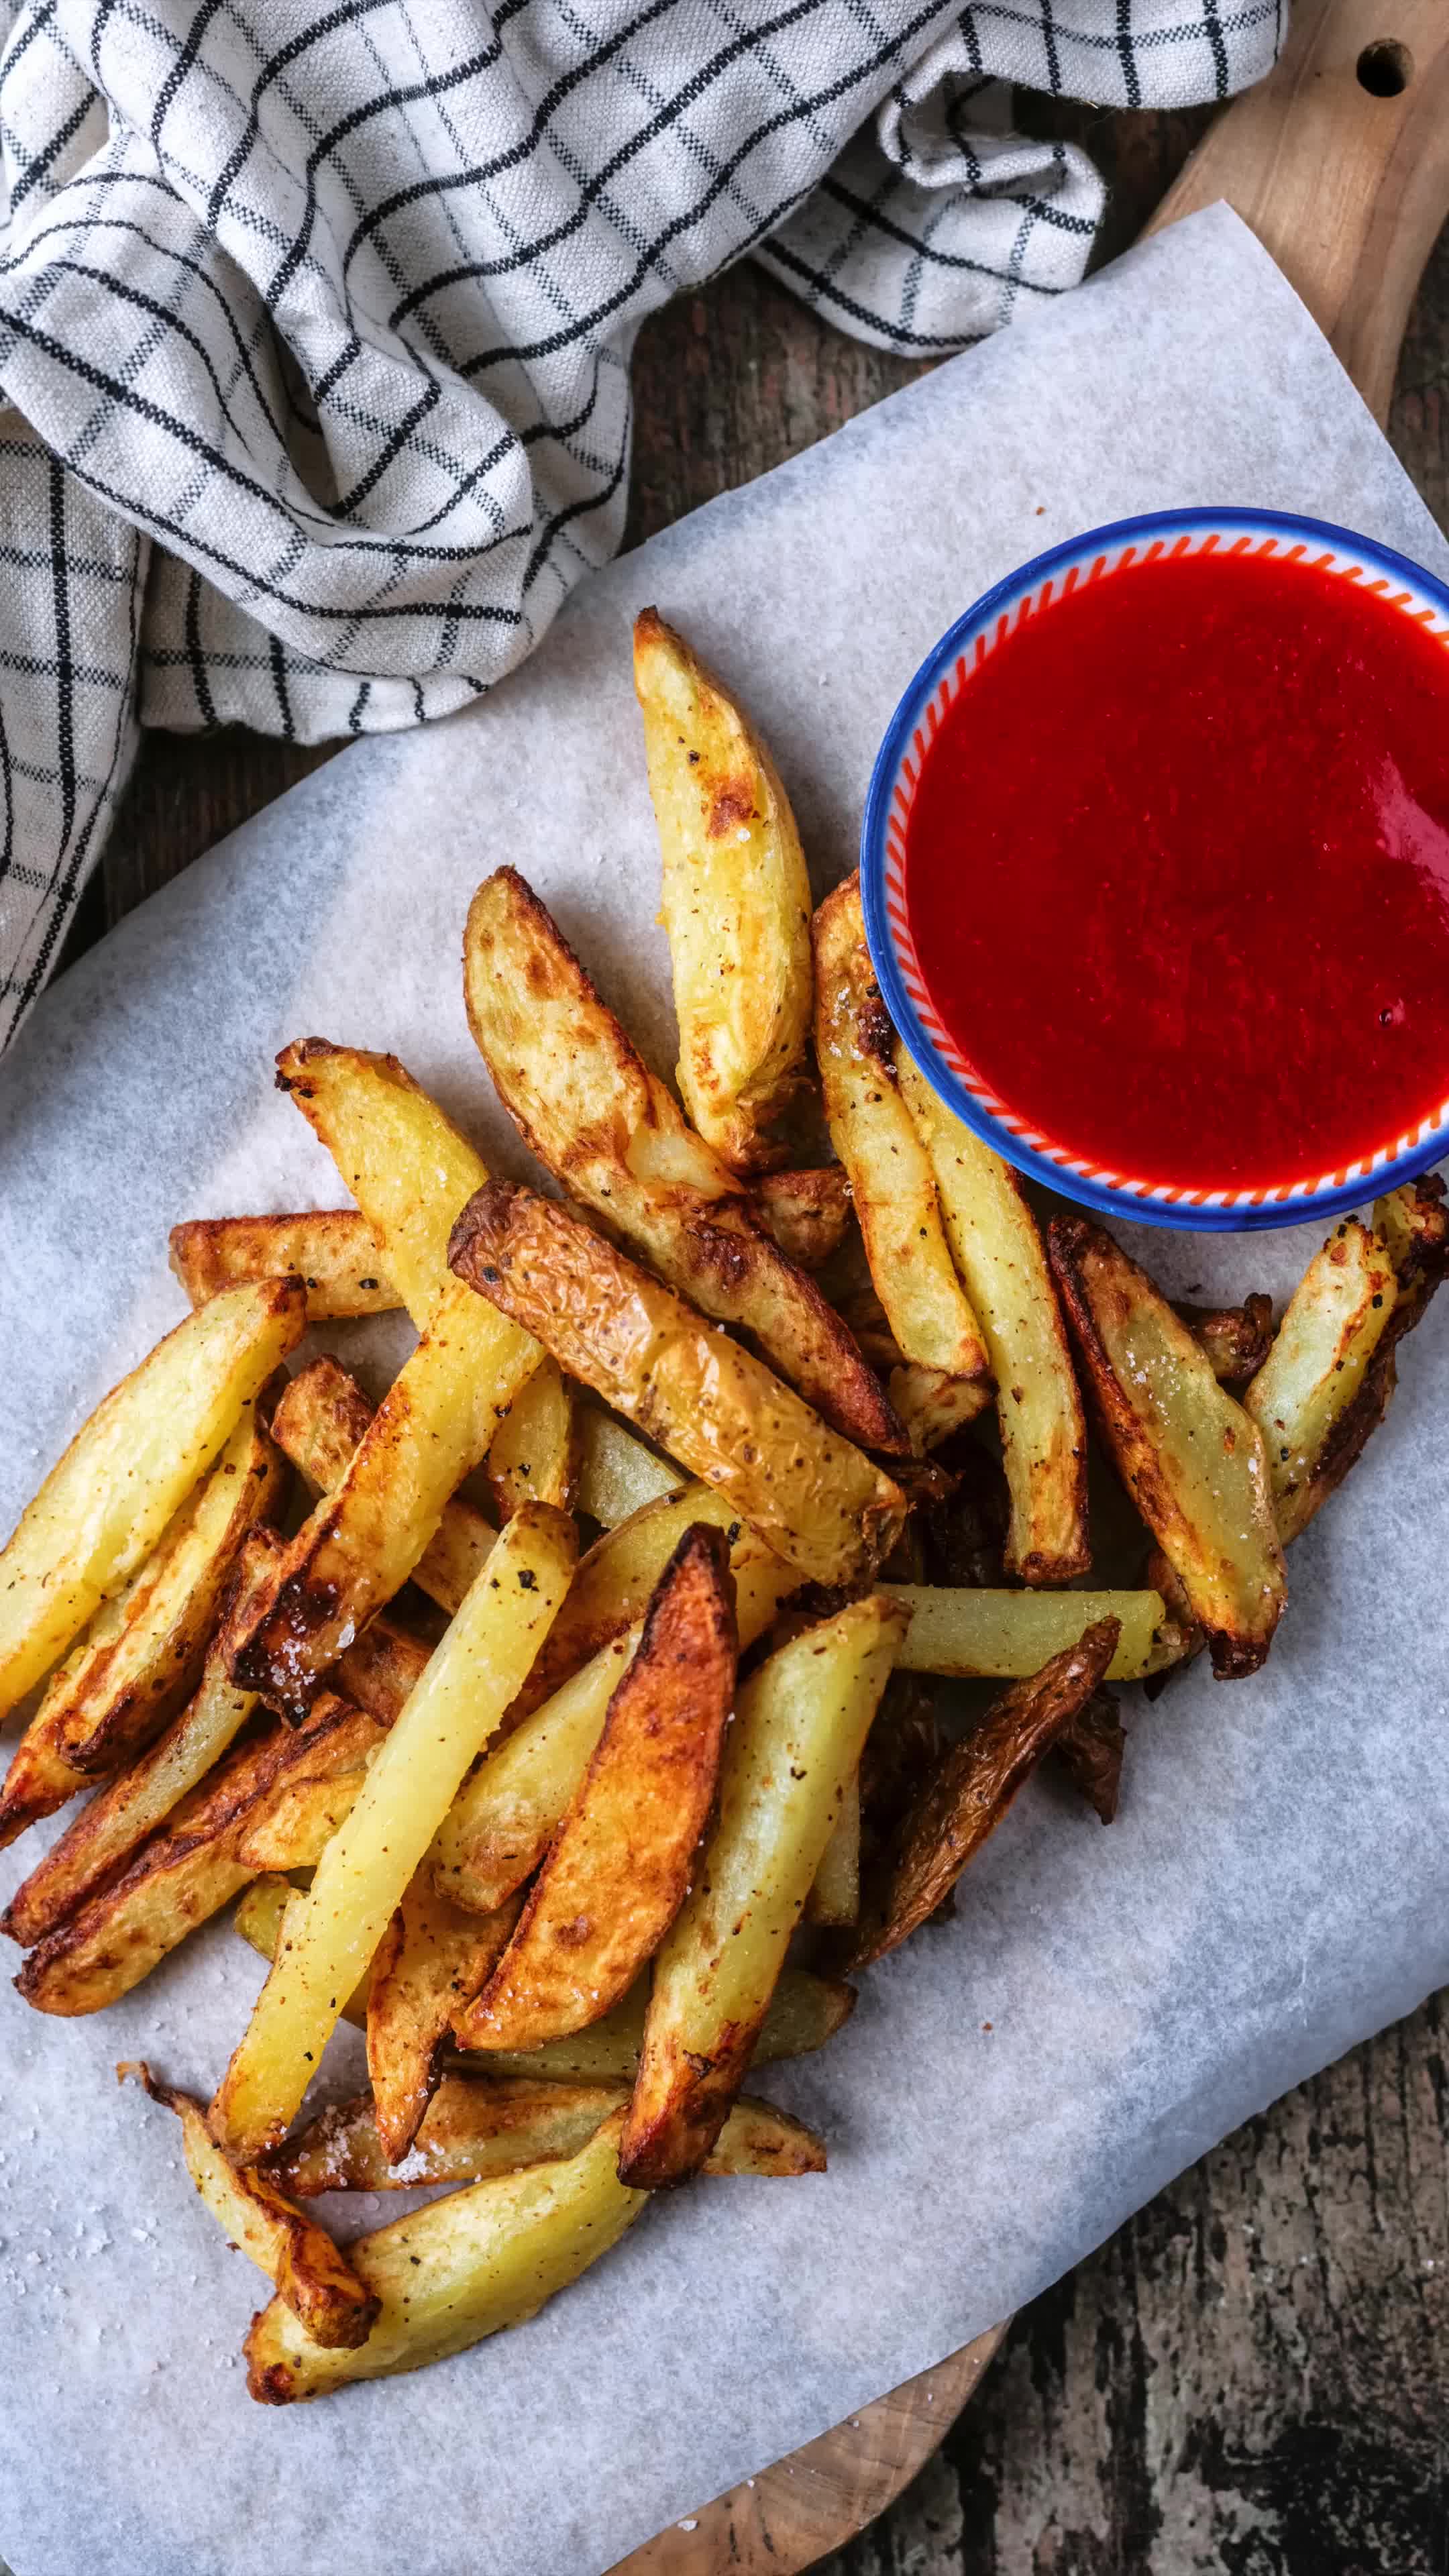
{"points": [[316, 315]]}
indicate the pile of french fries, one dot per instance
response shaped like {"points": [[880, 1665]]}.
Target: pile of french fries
{"points": [[563, 1720]]}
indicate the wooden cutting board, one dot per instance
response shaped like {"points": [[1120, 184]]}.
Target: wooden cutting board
{"points": [[1339, 162]]}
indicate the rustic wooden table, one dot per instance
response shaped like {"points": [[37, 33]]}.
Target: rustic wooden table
{"points": [[1253, 2376]]}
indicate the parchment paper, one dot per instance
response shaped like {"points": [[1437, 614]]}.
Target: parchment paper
{"points": [[1105, 2005]]}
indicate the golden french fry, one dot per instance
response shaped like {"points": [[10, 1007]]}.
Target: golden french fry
{"points": [[805, 2011], [315, 2280], [736, 901], [102, 1509], [142, 1662], [998, 1253], [258, 1918], [466, 2266], [501, 1823], [1305, 1396], [618, 1867], [820, 1503], [188, 1872], [362, 1542], [588, 1106], [834, 1896], [1191, 1458], [117, 1820], [973, 1788], [431, 1960], [614, 1581], [533, 1457], [408, 1167], [797, 1738], [333, 1251], [1005, 1636], [411, 1782], [617, 1474], [807, 1212], [300, 1822], [480, 2125], [891, 1180], [322, 1421]]}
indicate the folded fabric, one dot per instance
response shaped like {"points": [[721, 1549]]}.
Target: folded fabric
{"points": [[315, 321]]}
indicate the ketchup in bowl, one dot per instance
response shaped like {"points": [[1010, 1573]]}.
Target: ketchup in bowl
{"points": [[1176, 866]]}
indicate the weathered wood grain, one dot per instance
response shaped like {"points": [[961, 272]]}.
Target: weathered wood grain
{"points": [[1253, 2377]]}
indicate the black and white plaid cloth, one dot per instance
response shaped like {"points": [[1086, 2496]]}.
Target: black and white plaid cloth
{"points": [[315, 320]]}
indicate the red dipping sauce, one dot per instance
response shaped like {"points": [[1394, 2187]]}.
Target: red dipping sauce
{"points": [[1177, 871]]}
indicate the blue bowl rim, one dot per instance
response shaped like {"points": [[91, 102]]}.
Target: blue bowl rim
{"points": [[1312, 1206]]}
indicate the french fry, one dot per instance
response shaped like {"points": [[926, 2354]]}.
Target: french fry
{"points": [[260, 1909], [973, 1788], [466, 2266], [736, 901], [1237, 1339], [410, 1784], [807, 1212], [533, 1455], [314, 2280], [480, 2125], [797, 1738], [362, 1542], [998, 1252], [891, 1180], [142, 1652], [618, 1867], [117, 1820], [102, 1509], [322, 1421], [805, 2010], [614, 1581], [715, 1407], [1413, 1223], [617, 1474], [1304, 1396], [500, 1825], [834, 1896], [1006, 1636], [587, 1105], [432, 1959], [333, 1251], [184, 1875], [301, 1821], [1191, 1458], [140, 1666], [408, 1167]]}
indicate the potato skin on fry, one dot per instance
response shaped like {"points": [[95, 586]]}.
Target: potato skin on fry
{"points": [[812, 1497], [1191, 1458], [430, 1962], [795, 1745], [467, 2266], [618, 1867], [485, 2124], [1304, 1398], [186, 1874], [736, 901], [973, 1788], [333, 1251], [587, 1105], [313, 2277], [890, 1174], [131, 1465], [362, 1542]]}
